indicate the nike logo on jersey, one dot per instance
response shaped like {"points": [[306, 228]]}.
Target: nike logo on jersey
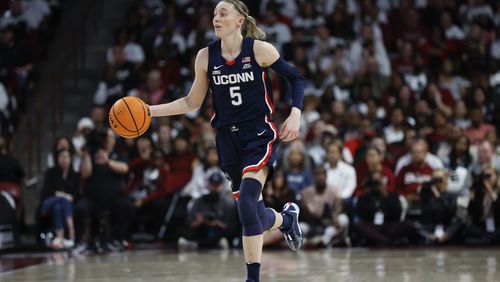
{"points": [[247, 66], [218, 67], [259, 134]]}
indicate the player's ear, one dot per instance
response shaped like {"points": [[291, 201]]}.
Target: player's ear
{"points": [[241, 20]]}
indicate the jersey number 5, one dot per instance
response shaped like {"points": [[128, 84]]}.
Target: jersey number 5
{"points": [[235, 95]]}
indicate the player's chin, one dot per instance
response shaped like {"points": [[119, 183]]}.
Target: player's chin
{"points": [[218, 32]]}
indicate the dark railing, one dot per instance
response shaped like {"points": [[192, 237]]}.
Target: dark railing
{"points": [[49, 97]]}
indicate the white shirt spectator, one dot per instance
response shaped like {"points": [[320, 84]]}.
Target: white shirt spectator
{"points": [[278, 34], [473, 11], [307, 23], [432, 160], [392, 135], [198, 186], [33, 13], [495, 49], [132, 51], [356, 57], [457, 181], [342, 178], [455, 85], [177, 39], [103, 92], [454, 32], [341, 94], [209, 37], [4, 99]]}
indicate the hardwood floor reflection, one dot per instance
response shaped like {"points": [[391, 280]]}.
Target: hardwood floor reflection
{"points": [[351, 265]]}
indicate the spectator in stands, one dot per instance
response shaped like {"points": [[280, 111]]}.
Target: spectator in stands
{"points": [[84, 127], [321, 218], [369, 46], [413, 175], [181, 162], [460, 115], [340, 175], [132, 51], [162, 138], [297, 167], [478, 129], [16, 63], [451, 30], [374, 165], [484, 209], [380, 213], [439, 222], [393, 133], [198, 184], [277, 32], [148, 189], [10, 168], [62, 143], [103, 170], [12, 177], [154, 87], [429, 159], [99, 117], [460, 153], [485, 155], [120, 76], [277, 193], [448, 79], [61, 188], [212, 220], [31, 13]]}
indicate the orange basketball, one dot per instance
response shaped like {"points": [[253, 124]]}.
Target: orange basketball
{"points": [[129, 117]]}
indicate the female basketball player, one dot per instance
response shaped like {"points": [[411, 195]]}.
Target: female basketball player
{"points": [[234, 68]]}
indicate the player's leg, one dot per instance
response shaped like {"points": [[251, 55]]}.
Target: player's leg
{"points": [[254, 220]]}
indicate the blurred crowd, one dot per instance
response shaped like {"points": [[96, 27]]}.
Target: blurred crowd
{"points": [[398, 141], [26, 29]]}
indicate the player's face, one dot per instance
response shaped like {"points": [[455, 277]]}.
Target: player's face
{"points": [[226, 19]]}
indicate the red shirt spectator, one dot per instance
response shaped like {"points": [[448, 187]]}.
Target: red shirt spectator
{"points": [[141, 175], [374, 164], [478, 129], [413, 175], [180, 163]]}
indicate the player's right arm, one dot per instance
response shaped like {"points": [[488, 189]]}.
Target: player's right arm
{"points": [[195, 96]]}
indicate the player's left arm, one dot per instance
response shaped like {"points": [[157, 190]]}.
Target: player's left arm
{"points": [[266, 55]]}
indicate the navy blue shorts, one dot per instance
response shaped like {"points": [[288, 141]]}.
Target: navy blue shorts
{"points": [[246, 147]]}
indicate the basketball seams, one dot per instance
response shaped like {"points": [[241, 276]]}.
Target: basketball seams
{"points": [[133, 118], [118, 120]]}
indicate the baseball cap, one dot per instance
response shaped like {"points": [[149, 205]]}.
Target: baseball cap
{"points": [[216, 178], [85, 122]]}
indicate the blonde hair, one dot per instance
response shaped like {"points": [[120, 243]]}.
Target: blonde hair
{"points": [[249, 27]]}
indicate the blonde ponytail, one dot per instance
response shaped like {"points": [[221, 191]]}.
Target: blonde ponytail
{"points": [[249, 27]]}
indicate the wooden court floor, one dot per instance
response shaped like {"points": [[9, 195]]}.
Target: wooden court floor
{"points": [[352, 265]]}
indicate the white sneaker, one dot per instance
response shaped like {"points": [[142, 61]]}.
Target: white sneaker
{"points": [[327, 237], [223, 244], [68, 243], [186, 245]]}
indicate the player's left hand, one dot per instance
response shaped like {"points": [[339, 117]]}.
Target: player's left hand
{"points": [[290, 128]]}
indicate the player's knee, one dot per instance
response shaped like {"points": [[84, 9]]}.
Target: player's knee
{"points": [[247, 207]]}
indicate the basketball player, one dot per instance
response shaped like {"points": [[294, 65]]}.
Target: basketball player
{"points": [[234, 68]]}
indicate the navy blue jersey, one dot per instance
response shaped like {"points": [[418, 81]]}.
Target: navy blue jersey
{"points": [[240, 88]]}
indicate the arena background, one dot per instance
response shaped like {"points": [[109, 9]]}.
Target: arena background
{"points": [[417, 80]]}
